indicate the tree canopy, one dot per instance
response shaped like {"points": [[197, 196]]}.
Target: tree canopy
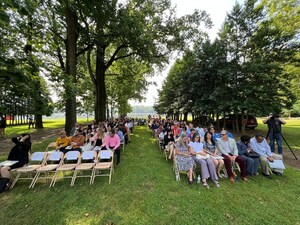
{"points": [[248, 69]]}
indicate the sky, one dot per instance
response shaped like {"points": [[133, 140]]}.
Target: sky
{"points": [[217, 10]]}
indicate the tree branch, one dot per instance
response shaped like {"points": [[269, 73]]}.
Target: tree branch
{"points": [[113, 57], [58, 35], [88, 62], [60, 58], [124, 56], [112, 74], [87, 48]]}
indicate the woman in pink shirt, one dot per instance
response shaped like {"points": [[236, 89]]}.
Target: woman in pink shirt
{"points": [[112, 141]]}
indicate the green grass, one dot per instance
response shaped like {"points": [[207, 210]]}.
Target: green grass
{"points": [[15, 130], [144, 191]]}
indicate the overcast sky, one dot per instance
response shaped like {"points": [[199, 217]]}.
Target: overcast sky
{"points": [[217, 10]]}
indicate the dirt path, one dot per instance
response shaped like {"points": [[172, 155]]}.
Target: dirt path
{"points": [[6, 144]]}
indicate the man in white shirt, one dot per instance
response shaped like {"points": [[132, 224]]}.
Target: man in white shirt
{"points": [[260, 146]]}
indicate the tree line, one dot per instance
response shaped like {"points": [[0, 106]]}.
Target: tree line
{"points": [[97, 54], [252, 67]]}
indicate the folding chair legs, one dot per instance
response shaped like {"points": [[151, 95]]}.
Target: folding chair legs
{"points": [[34, 179], [93, 176], [73, 178], [15, 180], [53, 180]]}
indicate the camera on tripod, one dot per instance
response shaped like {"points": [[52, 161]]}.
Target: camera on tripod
{"points": [[272, 116]]}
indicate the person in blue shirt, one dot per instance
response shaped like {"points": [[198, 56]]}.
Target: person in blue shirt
{"points": [[243, 149], [120, 134]]}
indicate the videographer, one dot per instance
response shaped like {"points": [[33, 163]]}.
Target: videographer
{"points": [[274, 133], [18, 153]]}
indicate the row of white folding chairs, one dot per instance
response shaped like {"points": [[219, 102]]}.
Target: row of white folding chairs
{"points": [[56, 162], [85, 147]]}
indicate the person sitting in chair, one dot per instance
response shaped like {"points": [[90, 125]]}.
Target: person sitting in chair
{"points": [[62, 141], [228, 148], [112, 141], [244, 150], [184, 159], [202, 158], [77, 141], [260, 145]]}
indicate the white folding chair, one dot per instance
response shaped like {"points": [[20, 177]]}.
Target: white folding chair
{"points": [[104, 155], [122, 145], [52, 162], [177, 171], [37, 160], [67, 166], [51, 146], [90, 157]]}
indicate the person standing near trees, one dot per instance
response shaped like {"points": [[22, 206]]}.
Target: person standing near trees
{"points": [[2, 125], [274, 131], [30, 118]]}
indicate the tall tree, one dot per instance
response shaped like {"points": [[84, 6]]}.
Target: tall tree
{"points": [[147, 30]]}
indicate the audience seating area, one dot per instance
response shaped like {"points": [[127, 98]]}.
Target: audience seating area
{"points": [[157, 126], [49, 165]]}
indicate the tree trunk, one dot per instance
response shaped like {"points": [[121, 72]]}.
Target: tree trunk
{"points": [[243, 125], [185, 117], [107, 111], [38, 121], [217, 120], [100, 107], [71, 63]]}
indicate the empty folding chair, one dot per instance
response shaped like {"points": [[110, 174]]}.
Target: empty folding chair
{"points": [[87, 147], [52, 162], [37, 160], [51, 146], [88, 159], [74, 157], [109, 165]]}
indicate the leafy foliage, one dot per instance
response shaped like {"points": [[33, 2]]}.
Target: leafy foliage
{"points": [[248, 69]]}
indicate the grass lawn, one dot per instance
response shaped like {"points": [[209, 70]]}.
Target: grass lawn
{"points": [[144, 191], [15, 130]]}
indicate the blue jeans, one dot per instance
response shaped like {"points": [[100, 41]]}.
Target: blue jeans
{"points": [[251, 164], [276, 137]]}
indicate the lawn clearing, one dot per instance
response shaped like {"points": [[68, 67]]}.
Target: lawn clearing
{"points": [[144, 191], [15, 130]]}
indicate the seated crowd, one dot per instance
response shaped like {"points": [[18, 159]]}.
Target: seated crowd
{"points": [[190, 146], [107, 135]]}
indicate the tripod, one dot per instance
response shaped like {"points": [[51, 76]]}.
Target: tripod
{"points": [[278, 131]]}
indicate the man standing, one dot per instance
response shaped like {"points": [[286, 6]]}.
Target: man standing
{"points": [[274, 132], [2, 125], [260, 146], [30, 118], [227, 146]]}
